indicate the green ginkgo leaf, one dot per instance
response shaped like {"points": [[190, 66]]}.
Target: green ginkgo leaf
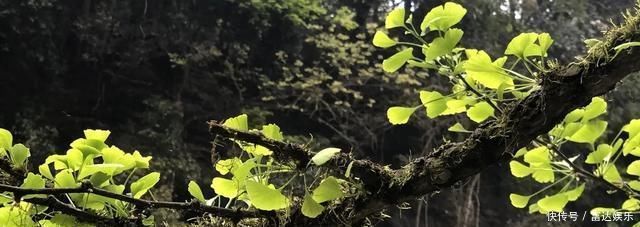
{"points": [[519, 201], [490, 74], [310, 207], [596, 108], [443, 17], [455, 106], [523, 46], [434, 103], [398, 115], [545, 41], [555, 203], [6, 139], [381, 39], [19, 154], [108, 169], [610, 174], [589, 132], [443, 45], [225, 187], [480, 112], [226, 165], [264, 197], [633, 128], [519, 170], [574, 116], [45, 171], [538, 155], [97, 134], [239, 123], [542, 172], [395, 18], [634, 184], [64, 179], [329, 189], [325, 155], [634, 168], [574, 194], [142, 185], [457, 127], [397, 60], [75, 158], [602, 153], [631, 204], [273, 132], [195, 191]]}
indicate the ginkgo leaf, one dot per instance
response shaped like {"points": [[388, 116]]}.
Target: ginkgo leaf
{"points": [[480, 112], [381, 39], [574, 194], [239, 123], [542, 172], [634, 168], [519, 201], [610, 174], [574, 116], [142, 185], [457, 127], [19, 154], [443, 17], [397, 60], [45, 171], [273, 132], [633, 128], [6, 139], [64, 179], [523, 46], [634, 184], [519, 170], [545, 41], [555, 203], [537, 155], [596, 108], [264, 197], [97, 134], [398, 115], [434, 103], [631, 204], [310, 207], [395, 18], [490, 74], [602, 153], [329, 189], [589, 132], [325, 155], [455, 106], [225, 187], [226, 165], [195, 191], [443, 45]]}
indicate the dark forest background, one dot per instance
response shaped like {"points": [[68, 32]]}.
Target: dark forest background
{"points": [[154, 71]]}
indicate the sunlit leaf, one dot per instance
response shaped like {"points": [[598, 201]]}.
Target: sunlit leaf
{"points": [[555, 203], [142, 185], [480, 112], [631, 204], [395, 18], [225, 187], [519, 170], [602, 153], [634, 168], [519, 201], [443, 45], [488, 73], [397, 60], [329, 189], [596, 108], [19, 154], [310, 207], [523, 46], [239, 123], [325, 155], [443, 17], [575, 193], [273, 132], [380, 39], [400, 115], [265, 198], [434, 103], [195, 191], [457, 127], [589, 132]]}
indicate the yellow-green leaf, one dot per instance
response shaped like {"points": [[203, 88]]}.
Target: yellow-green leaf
{"points": [[575, 193], [519, 201], [519, 170], [195, 191], [310, 207], [239, 123], [395, 18], [329, 189], [434, 103], [480, 112], [225, 187], [443, 17], [443, 45], [325, 155], [397, 60], [589, 132], [265, 198], [555, 203], [381, 39], [398, 115]]}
